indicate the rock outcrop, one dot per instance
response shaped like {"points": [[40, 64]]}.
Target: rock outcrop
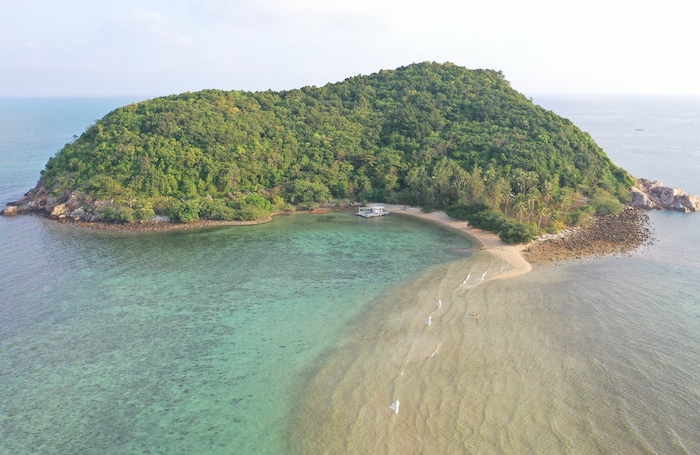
{"points": [[651, 194], [36, 200], [67, 206]]}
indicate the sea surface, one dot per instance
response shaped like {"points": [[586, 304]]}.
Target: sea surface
{"points": [[329, 334]]}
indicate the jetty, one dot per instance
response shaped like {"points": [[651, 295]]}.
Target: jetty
{"points": [[372, 211]]}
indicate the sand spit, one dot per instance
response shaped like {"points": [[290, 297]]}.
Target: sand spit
{"points": [[473, 368], [605, 236], [511, 254]]}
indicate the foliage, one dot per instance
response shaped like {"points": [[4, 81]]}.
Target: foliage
{"points": [[186, 211], [434, 135], [462, 212], [581, 215], [508, 229], [116, 213], [605, 204], [517, 232]]}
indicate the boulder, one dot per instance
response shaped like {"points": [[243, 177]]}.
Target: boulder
{"points": [[692, 203], [58, 211], [652, 194], [72, 203], [666, 195], [78, 214], [10, 211], [642, 200]]}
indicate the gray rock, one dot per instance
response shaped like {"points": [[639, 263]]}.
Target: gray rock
{"points": [[652, 194], [642, 200], [78, 214]]}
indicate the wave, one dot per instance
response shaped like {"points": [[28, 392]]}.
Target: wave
{"points": [[394, 406]]}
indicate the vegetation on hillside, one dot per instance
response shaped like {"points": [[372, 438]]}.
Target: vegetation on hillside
{"points": [[434, 135]]}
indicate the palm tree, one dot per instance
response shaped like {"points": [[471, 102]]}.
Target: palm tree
{"points": [[500, 193], [534, 197], [520, 203], [542, 212]]}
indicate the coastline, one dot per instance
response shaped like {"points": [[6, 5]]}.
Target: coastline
{"points": [[511, 254], [607, 235], [156, 226]]}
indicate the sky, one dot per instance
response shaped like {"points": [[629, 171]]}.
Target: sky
{"points": [[152, 48]]}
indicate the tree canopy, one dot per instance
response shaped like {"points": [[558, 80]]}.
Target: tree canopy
{"points": [[435, 135]]}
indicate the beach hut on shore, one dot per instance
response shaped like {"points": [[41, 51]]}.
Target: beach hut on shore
{"points": [[371, 211]]}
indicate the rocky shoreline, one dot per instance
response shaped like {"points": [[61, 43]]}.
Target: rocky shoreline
{"points": [[153, 226], [160, 223], [165, 224], [606, 235], [81, 210]]}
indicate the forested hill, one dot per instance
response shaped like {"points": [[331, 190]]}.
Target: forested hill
{"points": [[431, 134]]}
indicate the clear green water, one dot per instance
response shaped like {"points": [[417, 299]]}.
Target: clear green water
{"points": [[186, 342], [294, 337]]}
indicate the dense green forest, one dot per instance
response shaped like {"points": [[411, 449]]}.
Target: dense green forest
{"points": [[434, 135]]}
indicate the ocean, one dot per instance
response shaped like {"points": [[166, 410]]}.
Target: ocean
{"points": [[330, 334]]}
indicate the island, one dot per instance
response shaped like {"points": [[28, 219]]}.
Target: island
{"points": [[437, 136]]}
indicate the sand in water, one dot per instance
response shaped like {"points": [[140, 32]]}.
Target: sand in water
{"points": [[471, 363], [419, 347]]}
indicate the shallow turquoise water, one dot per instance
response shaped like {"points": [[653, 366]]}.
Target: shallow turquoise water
{"points": [[207, 341], [185, 341]]}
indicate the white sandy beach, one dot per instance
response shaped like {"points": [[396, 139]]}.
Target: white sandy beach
{"points": [[490, 242]]}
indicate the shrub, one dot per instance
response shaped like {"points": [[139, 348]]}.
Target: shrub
{"points": [[462, 212], [255, 200], [517, 232], [581, 215], [104, 187], [277, 201], [216, 209], [606, 205], [251, 213], [307, 206], [116, 213], [185, 212], [144, 213], [163, 205], [508, 230], [489, 221]]}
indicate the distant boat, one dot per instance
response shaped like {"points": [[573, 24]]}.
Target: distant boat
{"points": [[640, 129]]}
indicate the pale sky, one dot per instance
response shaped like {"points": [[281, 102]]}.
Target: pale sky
{"points": [[159, 47]]}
